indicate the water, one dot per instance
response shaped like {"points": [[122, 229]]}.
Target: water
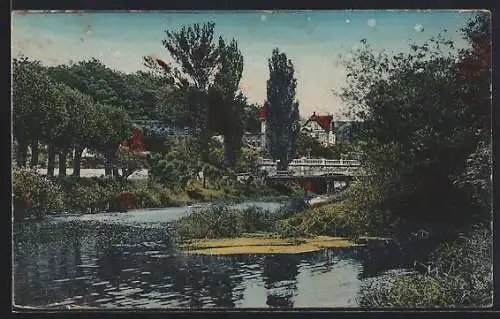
{"points": [[128, 261]]}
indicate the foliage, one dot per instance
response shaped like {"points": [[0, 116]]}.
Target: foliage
{"points": [[129, 162], [249, 118], [228, 109], [85, 195], [213, 222], [114, 127], [136, 93], [34, 194], [476, 180], [418, 127], [218, 221], [309, 146], [475, 65], [283, 117], [197, 61], [205, 78], [38, 104], [171, 173], [461, 277], [80, 131]]}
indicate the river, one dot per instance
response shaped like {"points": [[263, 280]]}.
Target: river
{"points": [[127, 260]]}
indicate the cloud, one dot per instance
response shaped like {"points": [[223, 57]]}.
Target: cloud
{"points": [[372, 23], [244, 86]]}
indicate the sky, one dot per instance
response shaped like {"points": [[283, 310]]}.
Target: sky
{"points": [[313, 40]]}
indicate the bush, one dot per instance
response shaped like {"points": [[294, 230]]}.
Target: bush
{"points": [[94, 194], [216, 221], [219, 221], [254, 219], [34, 194], [460, 276], [148, 196]]}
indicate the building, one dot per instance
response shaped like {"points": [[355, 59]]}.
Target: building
{"points": [[321, 128], [263, 114]]}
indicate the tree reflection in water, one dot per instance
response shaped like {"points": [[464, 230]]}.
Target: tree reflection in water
{"points": [[280, 278]]}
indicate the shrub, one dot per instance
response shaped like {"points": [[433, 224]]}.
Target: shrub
{"points": [[83, 194], [34, 194], [147, 197], [460, 276], [219, 221], [254, 219], [216, 221]]}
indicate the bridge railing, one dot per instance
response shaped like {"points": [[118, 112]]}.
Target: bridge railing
{"points": [[312, 162]]}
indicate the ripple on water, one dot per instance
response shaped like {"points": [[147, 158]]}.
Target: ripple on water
{"points": [[88, 266], [100, 283], [129, 270], [63, 280]]}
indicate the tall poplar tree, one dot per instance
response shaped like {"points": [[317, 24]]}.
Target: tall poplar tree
{"points": [[283, 117]]}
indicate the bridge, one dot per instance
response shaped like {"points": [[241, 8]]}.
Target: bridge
{"points": [[312, 167], [316, 175]]}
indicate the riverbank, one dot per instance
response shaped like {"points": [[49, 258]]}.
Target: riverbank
{"points": [[37, 195]]}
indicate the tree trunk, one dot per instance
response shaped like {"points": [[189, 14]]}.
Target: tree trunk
{"points": [[34, 154], [63, 155], [77, 161], [204, 152], [108, 165], [51, 159], [229, 158], [21, 154]]}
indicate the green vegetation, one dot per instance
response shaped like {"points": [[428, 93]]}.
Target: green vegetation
{"points": [[220, 221], [34, 194], [62, 110], [424, 141], [459, 276], [423, 137], [282, 120]]}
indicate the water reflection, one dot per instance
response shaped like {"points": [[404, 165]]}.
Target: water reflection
{"points": [[280, 274], [112, 265]]}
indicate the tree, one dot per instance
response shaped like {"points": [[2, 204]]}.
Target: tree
{"points": [[475, 65], [226, 84], [79, 132], [417, 127], [197, 57], [283, 109], [129, 161], [136, 92], [250, 120], [113, 127], [38, 107], [309, 146]]}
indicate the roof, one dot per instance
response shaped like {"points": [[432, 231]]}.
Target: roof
{"points": [[325, 121]]}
